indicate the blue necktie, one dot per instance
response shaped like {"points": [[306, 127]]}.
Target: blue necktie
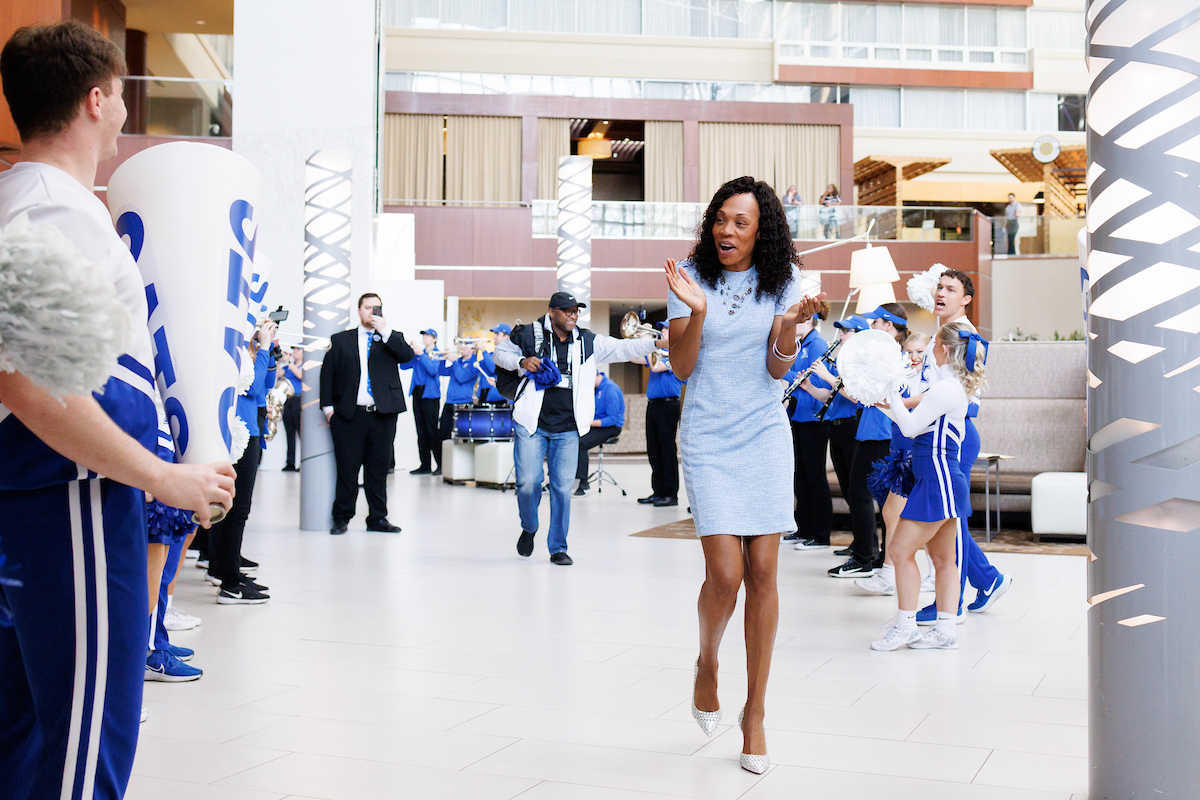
{"points": [[370, 338]]}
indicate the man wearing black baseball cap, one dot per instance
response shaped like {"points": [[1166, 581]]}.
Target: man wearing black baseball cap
{"points": [[555, 404]]}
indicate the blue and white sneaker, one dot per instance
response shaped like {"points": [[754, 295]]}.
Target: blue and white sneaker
{"points": [[928, 615], [162, 666], [985, 600], [182, 653]]}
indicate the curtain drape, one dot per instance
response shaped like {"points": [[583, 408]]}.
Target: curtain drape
{"points": [[483, 158], [412, 157], [663, 160], [554, 142], [805, 155]]}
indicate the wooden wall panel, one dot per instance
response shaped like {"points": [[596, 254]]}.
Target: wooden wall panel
{"points": [[16, 14], [883, 76]]}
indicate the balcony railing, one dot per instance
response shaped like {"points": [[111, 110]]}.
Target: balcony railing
{"points": [[165, 106], [1042, 235], [1001, 59], [632, 220]]}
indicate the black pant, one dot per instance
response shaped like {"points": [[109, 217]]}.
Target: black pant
{"points": [[364, 442], [842, 445], [425, 415], [863, 519], [814, 506], [225, 538], [1010, 229], [291, 426], [662, 423], [593, 437], [446, 424]]}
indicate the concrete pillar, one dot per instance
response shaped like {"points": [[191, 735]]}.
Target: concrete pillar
{"points": [[1143, 268]]}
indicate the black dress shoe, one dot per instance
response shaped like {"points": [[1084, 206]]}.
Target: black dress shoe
{"points": [[562, 559], [437, 471], [420, 471], [649, 501], [581, 489], [525, 544], [662, 502], [338, 528], [291, 468], [383, 526]]}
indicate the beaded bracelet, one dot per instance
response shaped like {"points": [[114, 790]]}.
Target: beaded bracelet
{"points": [[781, 356]]}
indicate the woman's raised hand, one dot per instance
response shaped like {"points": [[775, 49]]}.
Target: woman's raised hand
{"points": [[803, 310], [685, 288]]}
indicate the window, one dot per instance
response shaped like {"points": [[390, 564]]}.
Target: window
{"points": [[1056, 30], [1072, 109], [876, 106]]}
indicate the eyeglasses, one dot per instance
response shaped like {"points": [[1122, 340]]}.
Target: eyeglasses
{"points": [[570, 312]]}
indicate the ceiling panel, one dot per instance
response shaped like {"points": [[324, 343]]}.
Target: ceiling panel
{"points": [[180, 16]]}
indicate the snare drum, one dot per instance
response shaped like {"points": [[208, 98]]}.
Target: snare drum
{"points": [[493, 424]]}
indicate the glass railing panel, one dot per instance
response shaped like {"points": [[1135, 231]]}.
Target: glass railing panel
{"points": [[191, 107], [1041, 235]]}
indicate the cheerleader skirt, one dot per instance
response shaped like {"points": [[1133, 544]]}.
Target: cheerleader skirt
{"points": [[940, 491]]}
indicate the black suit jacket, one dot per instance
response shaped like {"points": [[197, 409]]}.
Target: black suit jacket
{"points": [[340, 373]]}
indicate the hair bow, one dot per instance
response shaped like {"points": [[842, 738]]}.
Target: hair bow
{"points": [[973, 341]]}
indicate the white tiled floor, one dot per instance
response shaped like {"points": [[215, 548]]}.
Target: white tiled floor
{"points": [[439, 664]]}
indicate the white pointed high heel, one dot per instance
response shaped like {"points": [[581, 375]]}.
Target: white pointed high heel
{"points": [[707, 720], [749, 761]]}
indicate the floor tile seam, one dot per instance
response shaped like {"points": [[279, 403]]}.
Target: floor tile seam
{"points": [[442, 668], [957, 689], [221, 708], [844, 736], [510, 741], [588, 685], [282, 754]]}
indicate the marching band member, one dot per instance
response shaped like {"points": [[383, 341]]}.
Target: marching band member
{"points": [[735, 437], [461, 389], [810, 442], [607, 421], [874, 437], [488, 365], [426, 393], [937, 501], [842, 416], [662, 424]]}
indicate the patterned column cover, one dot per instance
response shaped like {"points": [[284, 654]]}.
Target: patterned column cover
{"points": [[1143, 278], [575, 231], [327, 201]]}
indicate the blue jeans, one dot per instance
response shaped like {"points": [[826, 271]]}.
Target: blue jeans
{"points": [[975, 566], [561, 452]]}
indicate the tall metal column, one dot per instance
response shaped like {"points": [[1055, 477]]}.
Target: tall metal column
{"points": [[575, 231], [327, 201], [1144, 398]]}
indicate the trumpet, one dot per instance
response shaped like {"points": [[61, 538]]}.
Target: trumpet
{"points": [[661, 354], [632, 327], [827, 357]]}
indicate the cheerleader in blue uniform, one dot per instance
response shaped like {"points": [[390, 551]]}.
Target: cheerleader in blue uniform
{"points": [[892, 478], [940, 492]]}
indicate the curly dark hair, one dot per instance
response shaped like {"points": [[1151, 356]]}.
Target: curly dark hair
{"points": [[774, 252]]}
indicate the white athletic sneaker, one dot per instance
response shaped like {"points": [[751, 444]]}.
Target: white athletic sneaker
{"points": [[876, 584], [928, 583], [935, 639], [145, 715], [176, 620], [894, 637]]}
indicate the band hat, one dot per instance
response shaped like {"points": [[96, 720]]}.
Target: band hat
{"points": [[883, 313], [662, 325], [429, 332], [565, 300], [502, 328], [853, 323]]}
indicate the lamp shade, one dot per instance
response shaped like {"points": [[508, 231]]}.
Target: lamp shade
{"points": [[596, 148], [873, 295], [872, 265]]}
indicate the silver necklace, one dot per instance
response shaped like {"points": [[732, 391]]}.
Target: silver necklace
{"points": [[732, 297]]}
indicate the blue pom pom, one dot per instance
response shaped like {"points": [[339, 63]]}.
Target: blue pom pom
{"points": [[6, 617], [893, 474], [548, 375], [167, 522]]}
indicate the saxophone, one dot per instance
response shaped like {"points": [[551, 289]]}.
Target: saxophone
{"points": [[278, 395]]}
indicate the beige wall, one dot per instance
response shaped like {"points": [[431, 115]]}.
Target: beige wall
{"points": [[1037, 295], [666, 58]]}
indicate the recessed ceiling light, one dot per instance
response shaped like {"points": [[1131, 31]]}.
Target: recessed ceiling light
{"points": [[199, 22]]}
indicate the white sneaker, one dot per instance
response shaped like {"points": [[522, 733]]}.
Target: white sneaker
{"points": [[928, 583], [145, 715], [176, 620], [876, 584], [894, 637], [936, 639]]}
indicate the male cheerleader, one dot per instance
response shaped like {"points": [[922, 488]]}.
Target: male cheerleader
{"points": [[73, 663]]}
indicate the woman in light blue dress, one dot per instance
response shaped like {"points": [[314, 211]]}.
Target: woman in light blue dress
{"points": [[734, 305]]}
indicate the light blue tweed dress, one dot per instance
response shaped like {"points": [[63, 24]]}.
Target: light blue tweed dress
{"points": [[735, 440]]}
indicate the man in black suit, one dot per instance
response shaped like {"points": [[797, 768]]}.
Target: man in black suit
{"points": [[361, 407]]}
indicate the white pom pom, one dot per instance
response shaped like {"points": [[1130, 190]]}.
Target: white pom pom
{"points": [[922, 285], [871, 366], [246, 378], [240, 436], [61, 323]]}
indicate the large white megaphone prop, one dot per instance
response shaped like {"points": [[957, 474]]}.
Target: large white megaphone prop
{"points": [[189, 213], [259, 275]]}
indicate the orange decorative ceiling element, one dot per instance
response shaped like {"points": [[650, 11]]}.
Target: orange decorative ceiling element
{"points": [[878, 177], [1064, 179]]}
